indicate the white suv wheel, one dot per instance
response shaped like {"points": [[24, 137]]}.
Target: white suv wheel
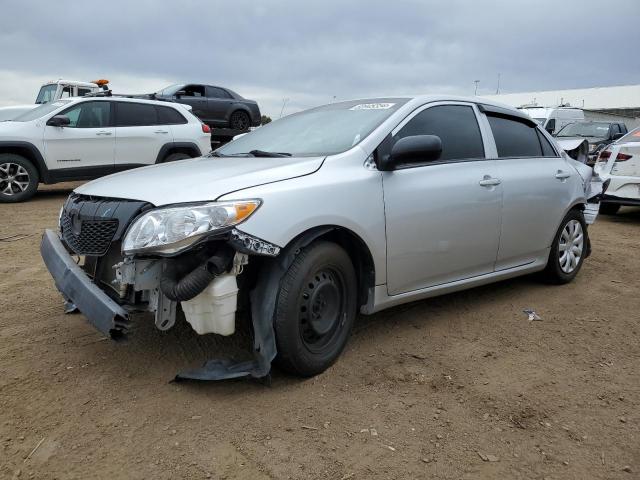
{"points": [[14, 179]]}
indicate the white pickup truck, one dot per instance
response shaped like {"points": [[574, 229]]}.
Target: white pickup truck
{"points": [[51, 91]]}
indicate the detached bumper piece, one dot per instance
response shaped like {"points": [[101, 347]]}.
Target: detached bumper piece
{"points": [[99, 309]]}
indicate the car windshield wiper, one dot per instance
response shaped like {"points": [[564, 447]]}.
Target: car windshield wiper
{"points": [[252, 153], [262, 153]]}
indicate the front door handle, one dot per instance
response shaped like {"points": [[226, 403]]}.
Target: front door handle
{"points": [[103, 132], [562, 175], [488, 181], [161, 131]]}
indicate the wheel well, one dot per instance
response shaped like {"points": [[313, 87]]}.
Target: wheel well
{"points": [[243, 110], [186, 150], [357, 250], [26, 153]]}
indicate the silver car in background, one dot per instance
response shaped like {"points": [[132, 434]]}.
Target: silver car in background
{"points": [[350, 207]]}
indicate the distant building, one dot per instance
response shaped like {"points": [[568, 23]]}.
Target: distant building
{"points": [[623, 100]]}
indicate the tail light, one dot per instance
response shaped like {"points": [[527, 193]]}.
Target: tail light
{"points": [[604, 155], [206, 128], [621, 157]]}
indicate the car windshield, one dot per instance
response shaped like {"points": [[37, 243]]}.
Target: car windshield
{"points": [[47, 93], [319, 131], [40, 111], [632, 136], [170, 90], [587, 129]]}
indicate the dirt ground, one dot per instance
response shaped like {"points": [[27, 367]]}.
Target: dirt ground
{"points": [[461, 386]]}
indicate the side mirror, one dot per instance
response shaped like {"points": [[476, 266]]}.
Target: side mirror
{"points": [[59, 121], [550, 126], [414, 149], [617, 136], [180, 93]]}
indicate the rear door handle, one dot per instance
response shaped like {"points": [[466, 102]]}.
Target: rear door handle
{"points": [[161, 131], [103, 133], [562, 175], [488, 181]]}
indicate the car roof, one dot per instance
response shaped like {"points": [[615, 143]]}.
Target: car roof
{"points": [[116, 98]]}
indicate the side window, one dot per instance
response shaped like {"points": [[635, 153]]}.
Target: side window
{"points": [[169, 116], [83, 91], [615, 128], [514, 138], [131, 114], [194, 91], [623, 128], [66, 92], [457, 127], [89, 115], [547, 149], [215, 92]]}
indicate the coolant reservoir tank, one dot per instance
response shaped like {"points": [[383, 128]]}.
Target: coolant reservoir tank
{"points": [[214, 309]]}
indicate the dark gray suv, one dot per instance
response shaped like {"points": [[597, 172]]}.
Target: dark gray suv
{"points": [[215, 106]]}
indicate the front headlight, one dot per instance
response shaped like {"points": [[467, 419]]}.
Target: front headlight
{"points": [[170, 230]]}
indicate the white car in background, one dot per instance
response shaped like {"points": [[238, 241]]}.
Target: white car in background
{"points": [[89, 137], [620, 164]]}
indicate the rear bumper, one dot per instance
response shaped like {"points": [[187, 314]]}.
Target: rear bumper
{"points": [[100, 310], [621, 201]]}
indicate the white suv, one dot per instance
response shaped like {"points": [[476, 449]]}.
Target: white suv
{"points": [[89, 137]]}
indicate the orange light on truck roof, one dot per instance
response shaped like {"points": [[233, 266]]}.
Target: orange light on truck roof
{"points": [[101, 82]]}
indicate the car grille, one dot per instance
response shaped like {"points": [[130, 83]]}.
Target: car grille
{"points": [[88, 237]]}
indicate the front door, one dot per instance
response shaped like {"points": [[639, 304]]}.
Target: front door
{"points": [[88, 142], [442, 217]]}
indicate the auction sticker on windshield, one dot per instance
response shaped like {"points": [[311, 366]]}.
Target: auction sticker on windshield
{"points": [[372, 106]]}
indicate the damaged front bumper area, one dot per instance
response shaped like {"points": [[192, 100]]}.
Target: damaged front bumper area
{"points": [[201, 282], [101, 311]]}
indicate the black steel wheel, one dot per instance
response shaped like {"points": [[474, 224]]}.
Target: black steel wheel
{"points": [[315, 310]]}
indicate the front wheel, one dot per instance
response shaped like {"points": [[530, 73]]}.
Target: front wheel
{"points": [[18, 178], [315, 309], [568, 249]]}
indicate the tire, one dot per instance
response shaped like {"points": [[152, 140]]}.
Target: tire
{"points": [[18, 178], [174, 157], [315, 309], [609, 208], [568, 250], [239, 120]]}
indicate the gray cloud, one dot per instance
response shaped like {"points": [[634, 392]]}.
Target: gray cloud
{"points": [[310, 52]]}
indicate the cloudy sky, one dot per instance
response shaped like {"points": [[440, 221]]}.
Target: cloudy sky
{"points": [[312, 51]]}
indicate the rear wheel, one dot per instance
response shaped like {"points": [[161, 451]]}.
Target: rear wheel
{"points": [[315, 309], [18, 178], [239, 120], [568, 249], [173, 157], [609, 208]]}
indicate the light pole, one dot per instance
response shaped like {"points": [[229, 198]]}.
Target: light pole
{"points": [[284, 102], [477, 82]]}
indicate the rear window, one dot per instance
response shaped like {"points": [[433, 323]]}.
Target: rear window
{"points": [[131, 114], [169, 116], [547, 149], [632, 136], [514, 138]]}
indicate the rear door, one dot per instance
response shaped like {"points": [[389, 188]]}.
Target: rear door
{"points": [[220, 103], [442, 217], [139, 134], [86, 143], [534, 189]]}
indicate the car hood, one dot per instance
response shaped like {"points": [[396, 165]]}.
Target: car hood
{"points": [[591, 140], [198, 179]]}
